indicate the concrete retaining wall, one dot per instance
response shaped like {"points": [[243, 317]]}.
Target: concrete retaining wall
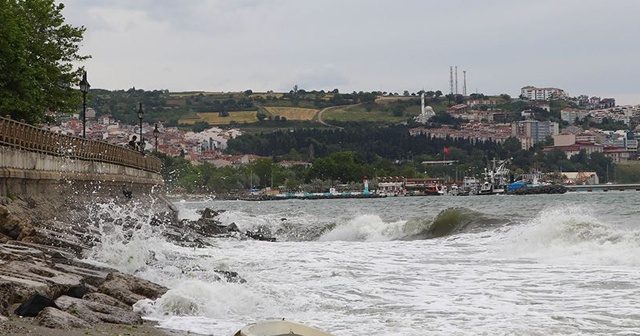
{"points": [[28, 173]]}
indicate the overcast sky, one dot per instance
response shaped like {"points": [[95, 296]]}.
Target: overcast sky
{"points": [[582, 46]]}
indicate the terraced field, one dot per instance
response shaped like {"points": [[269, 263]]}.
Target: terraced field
{"points": [[214, 118], [292, 113]]}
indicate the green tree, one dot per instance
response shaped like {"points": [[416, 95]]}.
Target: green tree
{"points": [[37, 52], [398, 110], [200, 126], [263, 169]]}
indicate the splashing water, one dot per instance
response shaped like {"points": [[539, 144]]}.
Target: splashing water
{"points": [[574, 234]]}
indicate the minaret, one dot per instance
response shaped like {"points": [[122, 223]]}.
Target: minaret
{"points": [[422, 102]]}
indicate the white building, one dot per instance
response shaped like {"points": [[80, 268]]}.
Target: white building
{"points": [[570, 115], [211, 139], [536, 93]]}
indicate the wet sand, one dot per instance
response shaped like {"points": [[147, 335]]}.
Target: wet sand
{"points": [[18, 326]]}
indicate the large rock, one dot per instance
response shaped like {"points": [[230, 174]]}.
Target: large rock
{"points": [[58, 319], [94, 312], [34, 305], [36, 276], [15, 224], [7, 290], [129, 289], [105, 299]]}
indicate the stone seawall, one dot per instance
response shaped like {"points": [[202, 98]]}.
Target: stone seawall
{"points": [[28, 173]]}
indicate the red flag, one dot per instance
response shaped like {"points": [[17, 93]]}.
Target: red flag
{"points": [[446, 150]]}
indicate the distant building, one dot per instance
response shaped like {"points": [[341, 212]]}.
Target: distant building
{"points": [[570, 115], [531, 132], [458, 109], [536, 93], [580, 178]]}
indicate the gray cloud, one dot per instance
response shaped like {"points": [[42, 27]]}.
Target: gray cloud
{"points": [[582, 46]]}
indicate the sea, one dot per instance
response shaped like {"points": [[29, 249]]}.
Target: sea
{"points": [[564, 264]]}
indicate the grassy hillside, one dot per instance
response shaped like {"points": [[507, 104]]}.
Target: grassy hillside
{"points": [[214, 118], [288, 109], [292, 113], [383, 111]]}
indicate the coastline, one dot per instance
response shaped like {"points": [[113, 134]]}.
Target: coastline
{"points": [[42, 239], [18, 326]]}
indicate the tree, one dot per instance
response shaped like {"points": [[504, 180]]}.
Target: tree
{"points": [[200, 126], [398, 110], [37, 52]]}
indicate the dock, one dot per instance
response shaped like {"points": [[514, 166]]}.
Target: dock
{"points": [[603, 187]]}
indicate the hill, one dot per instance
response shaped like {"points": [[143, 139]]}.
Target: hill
{"points": [[262, 111]]}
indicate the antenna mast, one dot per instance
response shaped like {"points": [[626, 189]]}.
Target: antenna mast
{"points": [[451, 79], [456, 80], [464, 83]]}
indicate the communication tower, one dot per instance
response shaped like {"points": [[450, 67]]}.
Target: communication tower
{"points": [[451, 79], [464, 83], [456, 80]]}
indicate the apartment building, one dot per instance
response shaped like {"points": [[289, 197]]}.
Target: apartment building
{"points": [[531, 132], [536, 93], [570, 115]]}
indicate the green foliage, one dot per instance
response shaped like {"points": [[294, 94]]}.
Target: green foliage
{"points": [[340, 166], [200, 126], [624, 173], [37, 52]]}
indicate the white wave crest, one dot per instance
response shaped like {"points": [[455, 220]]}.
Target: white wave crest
{"points": [[574, 234], [365, 228]]}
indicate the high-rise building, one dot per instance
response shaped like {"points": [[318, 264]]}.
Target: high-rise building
{"points": [[531, 132]]}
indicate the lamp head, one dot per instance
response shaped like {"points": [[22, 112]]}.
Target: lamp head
{"points": [[140, 112], [84, 84]]}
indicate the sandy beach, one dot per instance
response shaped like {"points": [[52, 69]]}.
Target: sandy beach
{"points": [[17, 326]]}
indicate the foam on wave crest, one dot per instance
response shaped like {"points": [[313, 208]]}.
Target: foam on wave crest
{"points": [[574, 234], [365, 228]]}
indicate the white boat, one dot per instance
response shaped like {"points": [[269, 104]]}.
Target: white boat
{"points": [[279, 328], [496, 179]]}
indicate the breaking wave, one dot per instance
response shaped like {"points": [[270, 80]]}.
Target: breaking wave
{"points": [[448, 222], [574, 234]]}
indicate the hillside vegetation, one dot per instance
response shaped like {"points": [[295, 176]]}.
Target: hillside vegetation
{"points": [[214, 118], [292, 113]]}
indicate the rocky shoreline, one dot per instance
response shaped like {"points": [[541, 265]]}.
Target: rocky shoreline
{"points": [[45, 284]]}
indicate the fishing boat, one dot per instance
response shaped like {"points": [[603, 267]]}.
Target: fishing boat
{"points": [[496, 178], [530, 184], [279, 328]]}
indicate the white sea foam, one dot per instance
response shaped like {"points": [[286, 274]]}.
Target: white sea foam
{"points": [[574, 234], [557, 271], [365, 228]]}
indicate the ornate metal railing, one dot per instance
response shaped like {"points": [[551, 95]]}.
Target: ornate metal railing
{"points": [[30, 138]]}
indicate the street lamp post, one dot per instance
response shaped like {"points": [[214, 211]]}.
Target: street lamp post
{"points": [[140, 115], [84, 87], [155, 135]]}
